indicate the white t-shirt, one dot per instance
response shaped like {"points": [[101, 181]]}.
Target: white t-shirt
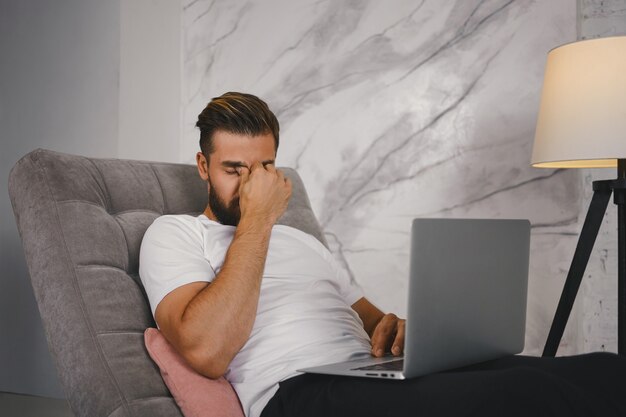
{"points": [[303, 316]]}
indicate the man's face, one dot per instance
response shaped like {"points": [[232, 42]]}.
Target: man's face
{"points": [[232, 152]]}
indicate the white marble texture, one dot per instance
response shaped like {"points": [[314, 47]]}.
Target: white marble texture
{"points": [[397, 109]]}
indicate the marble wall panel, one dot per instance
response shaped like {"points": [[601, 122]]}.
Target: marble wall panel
{"points": [[398, 109]]}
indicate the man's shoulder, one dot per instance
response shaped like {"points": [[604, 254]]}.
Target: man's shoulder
{"points": [[172, 224], [176, 219]]}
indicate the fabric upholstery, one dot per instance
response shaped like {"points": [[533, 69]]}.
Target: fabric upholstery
{"points": [[195, 394], [81, 221]]}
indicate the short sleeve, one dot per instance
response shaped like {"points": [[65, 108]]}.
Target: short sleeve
{"points": [[172, 255], [349, 289]]}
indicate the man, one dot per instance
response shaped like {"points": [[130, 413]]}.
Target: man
{"points": [[238, 295]]}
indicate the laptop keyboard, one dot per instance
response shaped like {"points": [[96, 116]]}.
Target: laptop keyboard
{"points": [[396, 365]]}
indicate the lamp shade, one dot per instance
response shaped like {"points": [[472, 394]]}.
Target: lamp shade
{"points": [[582, 116]]}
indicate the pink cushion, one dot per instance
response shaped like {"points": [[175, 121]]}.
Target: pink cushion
{"points": [[195, 394]]}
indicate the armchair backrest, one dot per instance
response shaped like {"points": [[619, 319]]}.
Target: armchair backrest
{"points": [[81, 221]]}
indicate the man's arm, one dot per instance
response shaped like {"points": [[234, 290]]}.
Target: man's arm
{"points": [[386, 331], [209, 323]]}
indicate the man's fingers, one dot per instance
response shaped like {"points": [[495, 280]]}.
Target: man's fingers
{"points": [[270, 168], [398, 343], [255, 166], [383, 334], [281, 176], [244, 173]]}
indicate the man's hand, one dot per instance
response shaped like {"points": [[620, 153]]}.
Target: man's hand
{"points": [[263, 193], [388, 335]]}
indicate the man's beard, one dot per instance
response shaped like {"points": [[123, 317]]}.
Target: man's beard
{"points": [[228, 214]]}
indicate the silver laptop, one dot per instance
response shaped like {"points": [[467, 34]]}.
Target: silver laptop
{"points": [[466, 298]]}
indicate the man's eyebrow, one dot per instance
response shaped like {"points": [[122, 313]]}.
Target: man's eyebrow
{"points": [[233, 164], [239, 164]]}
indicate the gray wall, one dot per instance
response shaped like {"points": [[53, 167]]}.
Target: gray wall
{"points": [[58, 90], [96, 78], [150, 80]]}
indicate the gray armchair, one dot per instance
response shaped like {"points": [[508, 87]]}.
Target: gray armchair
{"points": [[81, 221]]}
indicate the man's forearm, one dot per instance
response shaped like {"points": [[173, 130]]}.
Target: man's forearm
{"points": [[218, 320]]}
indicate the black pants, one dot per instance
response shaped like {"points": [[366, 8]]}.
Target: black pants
{"points": [[592, 384]]}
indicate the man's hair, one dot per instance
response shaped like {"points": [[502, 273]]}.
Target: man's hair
{"points": [[238, 113]]}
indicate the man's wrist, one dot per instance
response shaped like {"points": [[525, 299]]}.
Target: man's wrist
{"points": [[254, 225]]}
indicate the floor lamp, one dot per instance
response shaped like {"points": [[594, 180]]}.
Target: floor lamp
{"points": [[582, 124]]}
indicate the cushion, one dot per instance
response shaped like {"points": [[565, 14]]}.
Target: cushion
{"points": [[195, 394]]}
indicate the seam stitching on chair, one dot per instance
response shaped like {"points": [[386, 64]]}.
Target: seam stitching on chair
{"points": [[141, 161], [34, 159], [136, 211], [119, 332], [81, 301], [106, 192], [126, 241], [146, 398], [91, 203], [114, 410], [117, 268], [155, 397], [101, 266], [165, 208]]}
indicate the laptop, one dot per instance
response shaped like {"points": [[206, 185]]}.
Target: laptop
{"points": [[467, 292]]}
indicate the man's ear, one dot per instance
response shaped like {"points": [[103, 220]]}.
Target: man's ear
{"points": [[203, 166]]}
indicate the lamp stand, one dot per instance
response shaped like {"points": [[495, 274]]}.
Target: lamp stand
{"points": [[602, 191]]}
